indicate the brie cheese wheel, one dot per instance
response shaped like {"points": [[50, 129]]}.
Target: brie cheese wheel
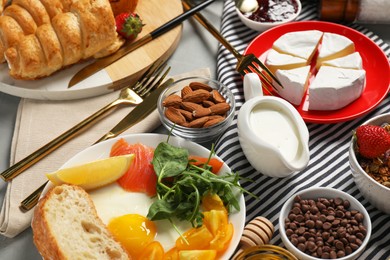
{"points": [[334, 46], [351, 61], [334, 88], [276, 60], [295, 82], [301, 44]]}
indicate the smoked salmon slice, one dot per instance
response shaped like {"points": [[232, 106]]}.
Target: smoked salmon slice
{"points": [[141, 176]]}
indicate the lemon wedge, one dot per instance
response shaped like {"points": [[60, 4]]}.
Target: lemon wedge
{"points": [[94, 174]]}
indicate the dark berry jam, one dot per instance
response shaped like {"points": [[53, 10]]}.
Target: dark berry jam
{"points": [[274, 10]]}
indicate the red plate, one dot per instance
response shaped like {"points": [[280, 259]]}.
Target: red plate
{"points": [[375, 63]]}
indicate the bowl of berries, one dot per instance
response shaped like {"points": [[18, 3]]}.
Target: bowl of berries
{"points": [[369, 159]]}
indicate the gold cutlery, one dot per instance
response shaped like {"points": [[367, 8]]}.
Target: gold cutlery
{"points": [[135, 116], [245, 63], [131, 46], [128, 96]]}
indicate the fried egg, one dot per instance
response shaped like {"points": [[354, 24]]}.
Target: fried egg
{"points": [[118, 208]]}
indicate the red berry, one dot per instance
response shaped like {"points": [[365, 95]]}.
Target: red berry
{"points": [[372, 140], [128, 25]]}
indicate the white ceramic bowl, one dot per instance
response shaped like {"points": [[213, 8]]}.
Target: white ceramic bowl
{"points": [[199, 135], [377, 194], [262, 26], [324, 192]]}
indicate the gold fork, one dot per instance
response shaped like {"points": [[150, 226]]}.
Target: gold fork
{"points": [[132, 95], [143, 87], [245, 63]]}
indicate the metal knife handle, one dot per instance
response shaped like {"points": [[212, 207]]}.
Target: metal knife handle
{"points": [[42, 152], [32, 200], [203, 21], [179, 19]]}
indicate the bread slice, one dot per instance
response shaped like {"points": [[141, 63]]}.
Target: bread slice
{"points": [[66, 226]]}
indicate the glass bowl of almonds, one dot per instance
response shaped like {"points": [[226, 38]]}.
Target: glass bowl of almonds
{"points": [[196, 108], [372, 175]]}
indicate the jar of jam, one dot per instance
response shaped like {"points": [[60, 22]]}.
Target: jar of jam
{"points": [[364, 11], [272, 10]]}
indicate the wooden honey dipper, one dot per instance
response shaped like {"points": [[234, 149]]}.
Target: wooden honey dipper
{"points": [[258, 231]]}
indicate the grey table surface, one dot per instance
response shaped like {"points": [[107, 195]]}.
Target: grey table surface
{"points": [[197, 49]]}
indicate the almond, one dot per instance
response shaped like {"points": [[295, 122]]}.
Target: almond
{"points": [[208, 103], [198, 123], [213, 121], [172, 100], [190, 106], [175, 116], [220, 108], [217, 97], [186, 114], [201, 112], [197, 96], [199, 85], [185, 91]]}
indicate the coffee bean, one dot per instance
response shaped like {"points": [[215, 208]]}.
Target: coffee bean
{"points": [[326, 226], [302, 247], [338, 201], [332, 254], [346, 204], [311, 246], [296, 211], [310, 224], [359, 217], [340, 253]]}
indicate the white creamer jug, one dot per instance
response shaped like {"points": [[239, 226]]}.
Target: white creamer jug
{"points": [[272, 133]]}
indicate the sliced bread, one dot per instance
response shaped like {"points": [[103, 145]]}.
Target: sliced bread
{"points": [[66, 226]]}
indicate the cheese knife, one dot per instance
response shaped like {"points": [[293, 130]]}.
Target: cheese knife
{"points": [[101, 63]]}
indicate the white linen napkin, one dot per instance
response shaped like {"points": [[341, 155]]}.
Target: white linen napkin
{"points": [[37, 123]]}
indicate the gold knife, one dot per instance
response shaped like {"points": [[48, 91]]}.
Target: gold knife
{"points": [[131, 46], [141, 111]]}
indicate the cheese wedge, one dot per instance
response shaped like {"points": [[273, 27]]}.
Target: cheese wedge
{"points": [[276, 60], [295, 82], [334, 88], [334, 46], [301, 44], [351, 61]]}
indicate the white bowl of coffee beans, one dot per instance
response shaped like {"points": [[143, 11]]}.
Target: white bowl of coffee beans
{"points": [[196, 108], [324, 223]]}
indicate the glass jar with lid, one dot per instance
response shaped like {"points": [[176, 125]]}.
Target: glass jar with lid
{"points": [[364, 11]]}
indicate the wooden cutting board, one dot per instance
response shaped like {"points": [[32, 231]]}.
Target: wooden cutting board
{"points": [[154, 13]]}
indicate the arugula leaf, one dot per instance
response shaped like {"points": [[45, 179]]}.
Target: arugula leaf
{"points": [[180, 196]]}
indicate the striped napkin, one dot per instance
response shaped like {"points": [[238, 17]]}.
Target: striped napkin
{"points": [[328, 144]]}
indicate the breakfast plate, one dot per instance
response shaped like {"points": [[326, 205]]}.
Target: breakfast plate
{"points": [[55, 87], [105, 203], [375, 63]]}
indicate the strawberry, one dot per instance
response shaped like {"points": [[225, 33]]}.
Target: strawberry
{"points": [[372, 140], [128, 25]]}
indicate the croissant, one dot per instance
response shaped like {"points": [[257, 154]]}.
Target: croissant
{"points": [[40, 37]]}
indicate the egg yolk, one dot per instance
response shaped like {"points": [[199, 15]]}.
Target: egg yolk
{"points": [[133, 231]]}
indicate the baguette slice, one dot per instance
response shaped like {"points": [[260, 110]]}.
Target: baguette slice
{"points": [[66, 226]]}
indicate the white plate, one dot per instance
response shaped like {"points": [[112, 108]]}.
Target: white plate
{"points": [[55, 87], [102, 150]]}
